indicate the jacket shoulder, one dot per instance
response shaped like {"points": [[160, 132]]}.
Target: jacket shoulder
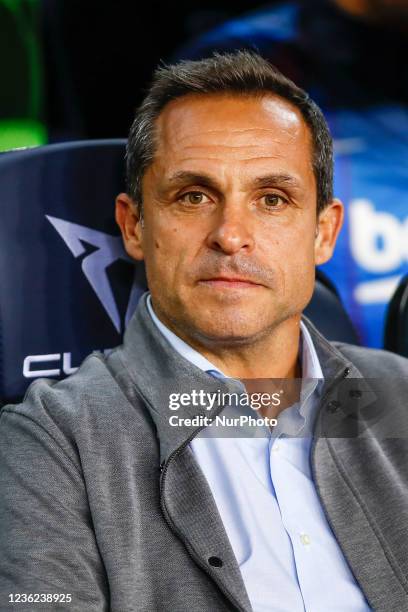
{"points": [[91, 381], [374, 363], [68, 408]]}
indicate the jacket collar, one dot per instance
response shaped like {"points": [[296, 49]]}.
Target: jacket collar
{"points": [[148, 367]]}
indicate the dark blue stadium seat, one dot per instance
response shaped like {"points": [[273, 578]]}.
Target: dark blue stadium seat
{"points": [[67, 286], [327, 313], [396, 321], [65, 277]]}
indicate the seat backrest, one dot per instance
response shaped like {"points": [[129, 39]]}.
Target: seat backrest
{"points": [[396, 321], [66, 281], [67, 285], [328, 314]]}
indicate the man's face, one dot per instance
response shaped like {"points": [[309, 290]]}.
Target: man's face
{"points": [[229, 206]]}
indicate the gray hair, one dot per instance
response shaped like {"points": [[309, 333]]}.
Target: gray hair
{"points": [[239, 73]]}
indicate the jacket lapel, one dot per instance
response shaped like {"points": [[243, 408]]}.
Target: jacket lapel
{"points": [[350, 417], [148, 367], [189, 508], [336, 461]]}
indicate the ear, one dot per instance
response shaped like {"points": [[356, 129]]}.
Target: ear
{"points": [[128, 218], [329, 223]]}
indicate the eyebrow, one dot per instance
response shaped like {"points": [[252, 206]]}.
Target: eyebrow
{"points": [[277, 180], [184, 177]]}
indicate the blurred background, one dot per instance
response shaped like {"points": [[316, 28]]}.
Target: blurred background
{"points": [[75, 70]]}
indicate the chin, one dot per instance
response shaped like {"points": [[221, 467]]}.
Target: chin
{"points": [[222, 329]]}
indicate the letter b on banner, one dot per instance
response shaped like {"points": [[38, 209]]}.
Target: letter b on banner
{"points": [[378, 240]]}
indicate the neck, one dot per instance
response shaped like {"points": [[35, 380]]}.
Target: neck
{"points": [[272, 354]]}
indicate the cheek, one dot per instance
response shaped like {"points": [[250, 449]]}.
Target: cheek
{"points": [[290, 256], [303, 269], [301, 259], [289, 247], [166, 252]]}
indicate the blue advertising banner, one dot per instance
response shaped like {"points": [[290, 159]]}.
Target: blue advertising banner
{"points": [[371, 176]]}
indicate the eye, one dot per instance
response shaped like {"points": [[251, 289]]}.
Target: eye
{"points": [[273, 200], [194, 197]]}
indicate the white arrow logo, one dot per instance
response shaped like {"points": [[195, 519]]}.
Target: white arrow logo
{"points": [[94, 266]]}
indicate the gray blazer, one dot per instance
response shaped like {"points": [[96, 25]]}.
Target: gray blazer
{"points": [[101, 499]]}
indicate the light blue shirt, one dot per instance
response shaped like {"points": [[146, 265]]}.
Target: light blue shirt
{"points": [[289, 558]]}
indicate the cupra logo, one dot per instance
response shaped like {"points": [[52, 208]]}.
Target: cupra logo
{"points": [[108, 250]]}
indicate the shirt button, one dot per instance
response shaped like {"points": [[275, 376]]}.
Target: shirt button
{"points": [[275, 447], [304, 538]]}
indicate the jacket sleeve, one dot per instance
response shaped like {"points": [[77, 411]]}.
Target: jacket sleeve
{"points": [[47, 543]]}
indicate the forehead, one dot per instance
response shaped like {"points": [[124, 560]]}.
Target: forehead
{"points": [[243, 130]]}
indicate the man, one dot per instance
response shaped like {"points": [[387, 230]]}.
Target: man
{"points": [[350, 56], [112, 497]]}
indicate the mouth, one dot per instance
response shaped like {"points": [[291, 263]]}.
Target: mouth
{"points": [[224, 282]]}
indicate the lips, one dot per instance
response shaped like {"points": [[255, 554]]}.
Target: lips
{"points": [[229, 282]]}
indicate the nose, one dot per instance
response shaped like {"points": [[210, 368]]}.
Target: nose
{"points": [[231, 232]]}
